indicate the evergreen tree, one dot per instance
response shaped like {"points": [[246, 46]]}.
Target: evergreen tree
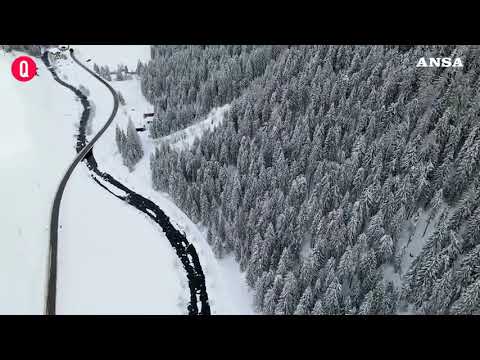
{"points": [[121, 100], [106, 73], [469, 301], [305, 304], [140, 68], [120, 73], [129, 145], [318, 308], [289, 296]]}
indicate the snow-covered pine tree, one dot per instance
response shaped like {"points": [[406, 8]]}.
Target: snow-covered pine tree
{"points": [[121, 99], [129, 145], [106, 73], [119, 75], [288, 299], [140, 68], [121, 140], [305, 304]]}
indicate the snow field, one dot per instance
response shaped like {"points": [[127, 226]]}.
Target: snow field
{"points": [[36, 148], [226, 285]]}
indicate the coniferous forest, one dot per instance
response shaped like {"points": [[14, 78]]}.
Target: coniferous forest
{"points": [[344, 179]]}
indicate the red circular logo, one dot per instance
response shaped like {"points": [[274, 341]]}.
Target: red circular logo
{"points": [[24, 68]]}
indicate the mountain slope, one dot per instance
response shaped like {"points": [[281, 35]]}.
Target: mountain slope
{"points": [[326, 171]]}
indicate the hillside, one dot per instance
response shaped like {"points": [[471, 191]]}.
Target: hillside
{"points": [[343, 178], [184, 83]]}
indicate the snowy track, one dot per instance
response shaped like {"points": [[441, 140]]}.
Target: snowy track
{"points": [[184, 250]]}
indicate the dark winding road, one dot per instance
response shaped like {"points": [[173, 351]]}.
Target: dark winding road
{"points": [[53, 250], [184, 250]]}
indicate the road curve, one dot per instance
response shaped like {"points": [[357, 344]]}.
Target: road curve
{"points": [[53, 249], [185, 251]]}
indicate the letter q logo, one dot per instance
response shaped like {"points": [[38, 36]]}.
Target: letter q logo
{"points": [[24, 68]]}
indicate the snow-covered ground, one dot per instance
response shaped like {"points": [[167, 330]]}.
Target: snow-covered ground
{"points": [[226, 285], [184, 139], [112, 258], [36, 147], [114, 55]]}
